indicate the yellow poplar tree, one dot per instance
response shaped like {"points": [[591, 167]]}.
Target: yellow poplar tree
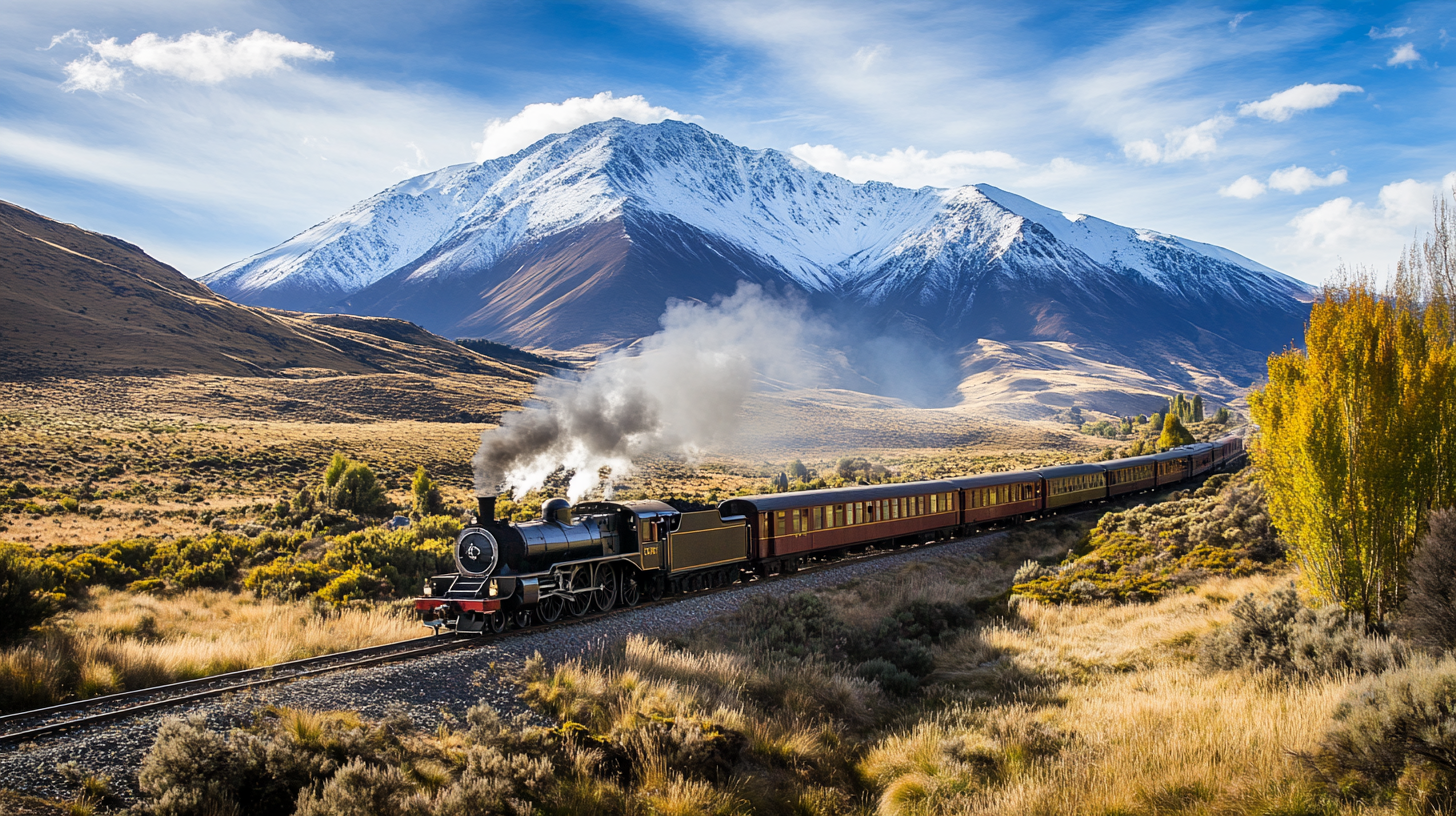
{"points": [[1353, 438]]}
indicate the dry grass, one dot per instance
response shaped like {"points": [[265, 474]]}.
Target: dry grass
{"points": [[1142, 728], [127, 641]]}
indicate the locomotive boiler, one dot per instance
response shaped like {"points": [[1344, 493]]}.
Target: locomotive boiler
{"points": [[575, 559]]}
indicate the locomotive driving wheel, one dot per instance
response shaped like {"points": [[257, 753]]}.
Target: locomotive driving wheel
{"points": [[581, 596], [606, 594], [631, 592], [550, 608], [654, 588], [521, 618], [496, 621]]}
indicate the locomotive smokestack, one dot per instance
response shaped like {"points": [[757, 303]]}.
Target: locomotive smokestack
{"points": [[486, 510]]}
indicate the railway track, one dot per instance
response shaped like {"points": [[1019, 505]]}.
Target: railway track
{"points": [[25, 726]]}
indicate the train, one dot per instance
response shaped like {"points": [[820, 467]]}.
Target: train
{"points": [[597, 555]]}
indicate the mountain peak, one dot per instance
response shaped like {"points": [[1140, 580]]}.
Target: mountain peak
{"points": [[606, 222]]}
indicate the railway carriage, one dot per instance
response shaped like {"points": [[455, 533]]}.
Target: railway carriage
{"points": [[1074, 484], [999, 496], [1200, 457], [786, 528], [1132, 475], [1227, 451], [1172, 466]]}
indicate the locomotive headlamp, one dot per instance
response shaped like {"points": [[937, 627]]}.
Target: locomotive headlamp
{"points": [[429, 590], [494, 588]]}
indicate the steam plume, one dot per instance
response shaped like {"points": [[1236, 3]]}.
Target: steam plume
{"points": [[682, 393]]}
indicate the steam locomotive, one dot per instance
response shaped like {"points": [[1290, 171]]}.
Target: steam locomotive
{"points": [[601, 554]]}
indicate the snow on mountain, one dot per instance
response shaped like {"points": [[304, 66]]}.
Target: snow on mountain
{"points": [[471, 247]]}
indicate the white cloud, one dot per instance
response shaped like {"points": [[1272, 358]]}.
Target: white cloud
{"points": [[197, 57], [1342, 224], [869, 55], [1143, 150], [506, 136], [1389, 32], [1057, 171], [1406, 53], [1180, 144], [1282, 105], [91, 74], [1245, 187], [908, 167], [1296, 179], [1238, 18]]}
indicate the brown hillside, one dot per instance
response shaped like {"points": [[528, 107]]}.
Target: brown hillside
{"points": [[77, 303]]}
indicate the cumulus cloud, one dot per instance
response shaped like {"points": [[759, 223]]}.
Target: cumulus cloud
{"points": [[1344, 224], [1245, 187], [1282, 105], [1181, 144], [909, 167], [1403, 55], [1389, 32], [506, 136], [197, 57], [1296, 179], [1292, 179]]}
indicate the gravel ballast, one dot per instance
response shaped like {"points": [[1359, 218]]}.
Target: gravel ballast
{"points": [[428, 688]]}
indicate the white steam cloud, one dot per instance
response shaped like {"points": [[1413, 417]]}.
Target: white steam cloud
{"points": [[682, 394]]}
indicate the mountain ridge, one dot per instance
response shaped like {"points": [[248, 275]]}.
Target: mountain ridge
{"points": [[579, 240]]}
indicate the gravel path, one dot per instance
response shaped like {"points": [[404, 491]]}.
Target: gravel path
{"points": [[428, 687]]}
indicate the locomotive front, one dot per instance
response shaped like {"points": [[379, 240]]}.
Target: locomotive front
{"points": [[504, 567]]}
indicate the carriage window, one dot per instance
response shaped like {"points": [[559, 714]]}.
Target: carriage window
{"points": [[798, 522], [818, 518], [838, 515], [781, 522]]}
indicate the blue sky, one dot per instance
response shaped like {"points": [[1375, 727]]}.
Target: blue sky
{"points": [[1299, 135]]}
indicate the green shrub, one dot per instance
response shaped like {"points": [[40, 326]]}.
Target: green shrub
{"points": [[1143, 553], [356, 584], [23, 595], [1281, 635], [286, 579], [352, 486], [1396, 733]]}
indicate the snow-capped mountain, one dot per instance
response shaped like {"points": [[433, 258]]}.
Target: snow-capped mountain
{"points": [[581, 238]]}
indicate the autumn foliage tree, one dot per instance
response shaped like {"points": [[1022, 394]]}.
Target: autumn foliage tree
{"points": [[1174, 434], [1358, 430]]}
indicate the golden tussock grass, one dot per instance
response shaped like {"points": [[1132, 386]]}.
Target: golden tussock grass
{"points": [[1126, 721], [124, 641]]}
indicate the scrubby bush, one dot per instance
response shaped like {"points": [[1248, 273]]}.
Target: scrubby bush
{"points": [[1280, 634], [287, 579], [1145, 552], [1428, 618], [1396, 733], [353, 487], [356, 584], [23, 595], [425, 494]]}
